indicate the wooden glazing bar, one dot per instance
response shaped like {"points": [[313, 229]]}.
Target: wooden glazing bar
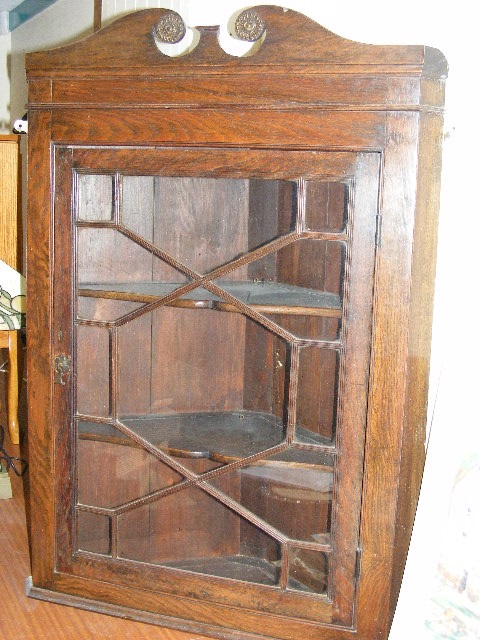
{"points": [[156, 251], [155, 451], [244, 513], [101, 511], [249, 311], [97, 224], [300, 232], [301, 206], [198, 280], [269, 247], [153, 497], [325, 344], [160, 493], [95, 323], [324, 235], [294, 357], [243, 462], [113, 381], [114, 536], [80, 417], [311, 546], [284, 567]]}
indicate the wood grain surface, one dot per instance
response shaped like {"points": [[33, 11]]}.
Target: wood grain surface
{"points": [[10, 221]]}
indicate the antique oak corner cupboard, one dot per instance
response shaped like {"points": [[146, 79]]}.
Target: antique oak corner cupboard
{"points": [[230, 267]]}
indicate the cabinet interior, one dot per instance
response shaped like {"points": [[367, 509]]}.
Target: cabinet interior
{"points": [[209, 328]]}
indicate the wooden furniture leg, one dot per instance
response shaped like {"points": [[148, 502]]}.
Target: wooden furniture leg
{"points": [[9, 339]]}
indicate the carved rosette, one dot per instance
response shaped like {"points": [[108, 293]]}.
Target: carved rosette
{"points": [[249, 26], [170, 29]]}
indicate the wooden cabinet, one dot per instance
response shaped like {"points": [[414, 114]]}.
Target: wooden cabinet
{"points": [[230, 290]]}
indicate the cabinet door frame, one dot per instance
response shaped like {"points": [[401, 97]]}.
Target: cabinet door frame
{"points": [[362, 169]]}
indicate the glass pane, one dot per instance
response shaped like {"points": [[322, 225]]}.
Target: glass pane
{"points": [[202, 536], [134, 367], [295, 500], [93, 371], [317, 395], [308, 571], [326, 206], [95, 198], [207, 222], [135, 535], [202, 381], [93, 532]]}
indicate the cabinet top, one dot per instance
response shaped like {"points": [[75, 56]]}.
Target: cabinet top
{"points": [[290, 42]]}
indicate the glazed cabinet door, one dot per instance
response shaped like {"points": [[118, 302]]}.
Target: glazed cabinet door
{"points": [[211, 399]]}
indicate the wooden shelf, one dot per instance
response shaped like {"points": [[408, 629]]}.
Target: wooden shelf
{"points": [[241, 567], [265, 297], [224, 436]]}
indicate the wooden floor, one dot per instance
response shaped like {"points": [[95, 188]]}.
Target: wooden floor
{"points": [[22, 618]]}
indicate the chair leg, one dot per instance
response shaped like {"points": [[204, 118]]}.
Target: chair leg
{"points": [[12, 386]]}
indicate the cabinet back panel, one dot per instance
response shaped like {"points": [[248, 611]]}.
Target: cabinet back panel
{"points": [[197, 360], [325, 205], [93, 371], [134, 357], [202, 222]]}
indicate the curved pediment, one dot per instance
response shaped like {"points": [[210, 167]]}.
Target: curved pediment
{"points": [[290, 41]]}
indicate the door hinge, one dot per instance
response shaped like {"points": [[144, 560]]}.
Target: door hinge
{"points": [[378, 231], [358, 560], [61, 366]]}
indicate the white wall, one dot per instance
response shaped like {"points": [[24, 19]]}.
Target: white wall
{"points": [[454, 381], [62, 22], [5, 47]]}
